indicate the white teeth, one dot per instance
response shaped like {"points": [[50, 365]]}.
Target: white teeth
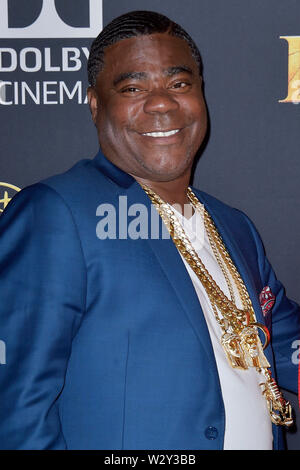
{"points": [[162, 134]]}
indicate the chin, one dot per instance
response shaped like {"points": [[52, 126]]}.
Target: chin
{"points": [[171, 170], [167, 174]]}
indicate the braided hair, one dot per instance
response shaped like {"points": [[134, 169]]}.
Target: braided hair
{"points": [[132, 24]]}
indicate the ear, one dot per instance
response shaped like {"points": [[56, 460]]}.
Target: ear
{"points": [[93, 102]]}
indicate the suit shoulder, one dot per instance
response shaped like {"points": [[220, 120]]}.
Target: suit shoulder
{"points": [[81, 184], [34, 196], [36, 204], [235, 218], [217, 204], [75, 176]]}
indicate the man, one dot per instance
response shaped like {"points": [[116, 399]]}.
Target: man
{"points": [[140, 342]]}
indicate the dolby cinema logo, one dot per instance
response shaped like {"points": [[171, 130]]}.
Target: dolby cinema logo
{"points": [[44, 50], [49, 18]]}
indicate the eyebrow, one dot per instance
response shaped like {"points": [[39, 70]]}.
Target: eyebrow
{"points": [[169, 72], [178, 69], [132, 75]]}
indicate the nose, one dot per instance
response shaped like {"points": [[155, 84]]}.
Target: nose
{"points": [[160, 101]]}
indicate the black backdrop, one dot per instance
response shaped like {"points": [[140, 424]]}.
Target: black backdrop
{"points": [[252, 159]]}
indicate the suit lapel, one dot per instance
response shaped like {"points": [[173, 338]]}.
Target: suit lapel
{"points": [[174, 269]]}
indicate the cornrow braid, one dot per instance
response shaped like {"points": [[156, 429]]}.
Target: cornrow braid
{"points": [[132, 24]]}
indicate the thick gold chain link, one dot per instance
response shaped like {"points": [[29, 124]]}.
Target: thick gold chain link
{"points": [[232, 316], [221, 253]]}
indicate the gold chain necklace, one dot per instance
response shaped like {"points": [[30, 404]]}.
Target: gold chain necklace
{"points": [[240, 339]]}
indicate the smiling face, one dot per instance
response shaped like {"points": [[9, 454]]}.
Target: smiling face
{"points": [[148, 107]]}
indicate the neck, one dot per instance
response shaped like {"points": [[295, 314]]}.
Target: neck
{"points": [[173, 192]]}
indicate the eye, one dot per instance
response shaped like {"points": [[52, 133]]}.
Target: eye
{"points": [[131, 90], [181, 85]]}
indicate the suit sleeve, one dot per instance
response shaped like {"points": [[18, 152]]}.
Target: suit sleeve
{"points": [[42, 300], [285, 322]]}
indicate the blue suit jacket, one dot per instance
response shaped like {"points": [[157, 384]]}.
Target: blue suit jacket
{"points": [[106, 343]]}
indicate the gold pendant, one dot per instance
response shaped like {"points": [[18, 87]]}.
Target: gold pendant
{"points": [[231, 343], [244, 349], [280, 410], [252, 348]]}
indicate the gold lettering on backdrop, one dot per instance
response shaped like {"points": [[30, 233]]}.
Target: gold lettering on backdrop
{"points": [[7, 191], [293, 95]]}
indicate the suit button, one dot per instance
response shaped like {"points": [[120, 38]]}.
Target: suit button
{"points": [[211, 433]]}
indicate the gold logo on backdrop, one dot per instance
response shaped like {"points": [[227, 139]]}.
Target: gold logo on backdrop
{"points": [[7, 192], [293, 95]]}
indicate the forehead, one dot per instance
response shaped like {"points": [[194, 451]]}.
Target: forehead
{"points": [[145, 52]]}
